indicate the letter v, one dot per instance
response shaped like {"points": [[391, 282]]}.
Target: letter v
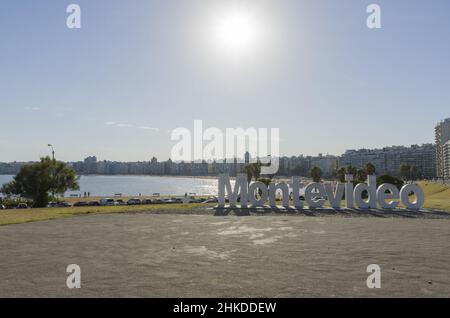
{"points": [[334, 198]]}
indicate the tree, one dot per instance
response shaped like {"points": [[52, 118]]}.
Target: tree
{"points": [[370, 169], [414, 173], [361, 175], [248, 170], [253, 170], [37, 181], [257, 169], [340, 173], [390, 179], [352, 170], [266, 181], [316, 173], [405, 171]]}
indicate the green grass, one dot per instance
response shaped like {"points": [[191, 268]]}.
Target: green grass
{"points": [[32, 215], [437, 196]]}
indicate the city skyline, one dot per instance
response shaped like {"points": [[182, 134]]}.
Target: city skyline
{"points": [[387, 160], [120, 84]]}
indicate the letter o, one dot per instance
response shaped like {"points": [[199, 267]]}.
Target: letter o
{"points": [[382, 196], [404, 196], [264, 194]]}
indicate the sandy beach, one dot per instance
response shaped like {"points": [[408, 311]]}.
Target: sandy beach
{"points": [[156, 255]]}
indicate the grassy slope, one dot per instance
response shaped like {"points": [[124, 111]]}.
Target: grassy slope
{"points": [[31, 215], [437, 196]]}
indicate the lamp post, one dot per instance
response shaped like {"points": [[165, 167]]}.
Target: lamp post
{"points": [[53, 152]]}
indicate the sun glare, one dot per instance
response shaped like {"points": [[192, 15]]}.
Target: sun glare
{"points": [[237, 32]]}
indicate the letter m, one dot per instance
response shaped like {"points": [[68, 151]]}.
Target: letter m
{"points": [[240, 190]]}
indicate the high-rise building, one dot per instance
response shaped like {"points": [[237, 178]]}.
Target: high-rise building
{"points": [[247, 157], [446, 160], [442, 136]]}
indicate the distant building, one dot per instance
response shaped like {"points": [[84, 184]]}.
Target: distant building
{"points": [[247, 157], [442, 136], [446, 160], [389, 159], [11, 167], [90, 165], [328, 164], [386, 161]]}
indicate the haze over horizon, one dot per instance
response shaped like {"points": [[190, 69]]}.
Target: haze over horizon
{"points": [[116, 87]]}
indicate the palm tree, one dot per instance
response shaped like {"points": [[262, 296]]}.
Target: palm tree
{"points": [[316, 173], [253, 170], [361, 175], [340, 173], [248, 169], [352, 170], [370, 169]]}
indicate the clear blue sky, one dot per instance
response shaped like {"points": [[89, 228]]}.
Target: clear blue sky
{"points": [[326, 80]]}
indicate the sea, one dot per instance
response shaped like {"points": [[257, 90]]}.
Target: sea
{"points": [[126, 185]]}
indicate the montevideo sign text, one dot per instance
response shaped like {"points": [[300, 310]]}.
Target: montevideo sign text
{"points": [[363, 195]]}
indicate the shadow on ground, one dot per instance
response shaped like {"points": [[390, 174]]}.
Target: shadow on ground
{"points": [[382, 213]]}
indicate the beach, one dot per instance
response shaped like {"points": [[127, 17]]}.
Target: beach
{"points": [[189, 255]]}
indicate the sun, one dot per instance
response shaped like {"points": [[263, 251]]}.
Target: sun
{"points": [[237, 32]]}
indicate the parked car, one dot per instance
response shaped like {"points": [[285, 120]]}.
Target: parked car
{"points": [[146, 201], [94, 203], [133, 201], [107, 202], [176, 200], [193, 200], [22, 206], [59, 205], [120, 202], [169, 200], [211, 200], [51, 205], [81, 203]]}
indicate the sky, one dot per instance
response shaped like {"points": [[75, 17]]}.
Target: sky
{"points": [[136, 70]]}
